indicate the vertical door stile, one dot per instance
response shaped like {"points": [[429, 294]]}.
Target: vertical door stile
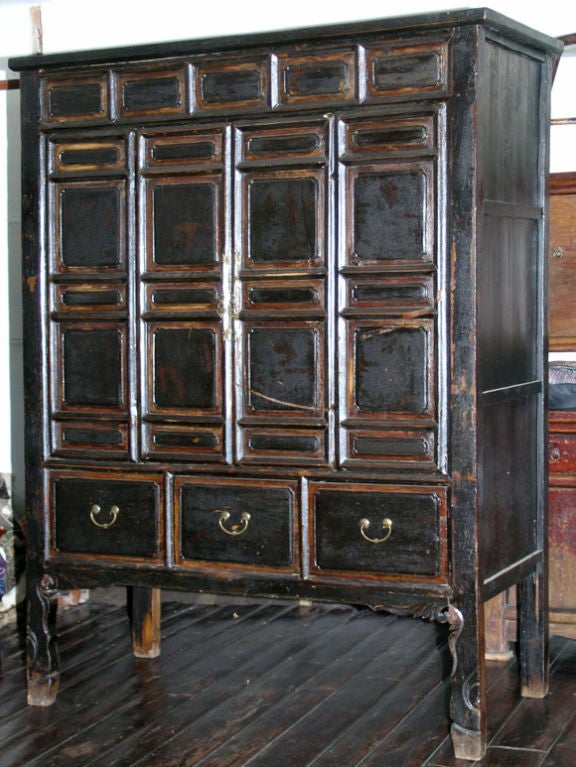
{"points": [[332, 301], [228, 296], [132, 299], [236, 217]]}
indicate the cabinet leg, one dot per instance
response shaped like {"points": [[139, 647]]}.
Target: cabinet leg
{"points": [[43, 666], [533, 635], [145, 608], [467, 704]]}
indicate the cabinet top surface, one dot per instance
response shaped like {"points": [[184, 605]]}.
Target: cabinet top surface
{"points": [[321, 34]]}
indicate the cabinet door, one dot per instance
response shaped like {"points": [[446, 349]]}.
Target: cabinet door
{"points": [[282, 236], [390, 269], [185, 330], [90, 345]]}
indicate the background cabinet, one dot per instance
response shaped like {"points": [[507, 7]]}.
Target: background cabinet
{"points": [[285, 309]]}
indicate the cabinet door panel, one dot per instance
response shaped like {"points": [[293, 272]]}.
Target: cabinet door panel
{"points": [[183, 223], [184, 368], [390, 215], [91, 367], [285, 364], [390, 369], [284, 219], [89, 226]]}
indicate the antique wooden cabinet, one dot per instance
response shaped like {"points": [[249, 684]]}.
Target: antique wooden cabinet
{"points": [[284, 301]]}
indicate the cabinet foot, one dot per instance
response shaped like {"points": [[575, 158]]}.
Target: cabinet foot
{"points": [[42, 692], [467, 744], [43, 667], [146, 608]]}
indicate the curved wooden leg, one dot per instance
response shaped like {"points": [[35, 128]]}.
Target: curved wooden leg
{"points": [[43, 666], [467, 707]]}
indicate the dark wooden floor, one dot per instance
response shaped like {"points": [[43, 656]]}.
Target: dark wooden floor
{"points": [[269, 685]]}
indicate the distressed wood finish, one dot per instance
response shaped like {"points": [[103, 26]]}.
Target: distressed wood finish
{"points": [[285, 326]]}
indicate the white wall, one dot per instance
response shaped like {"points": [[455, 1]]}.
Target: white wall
{"points": [[77, 25]]}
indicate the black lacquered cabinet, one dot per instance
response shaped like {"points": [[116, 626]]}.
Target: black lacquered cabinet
{"points": [[284, 301]]}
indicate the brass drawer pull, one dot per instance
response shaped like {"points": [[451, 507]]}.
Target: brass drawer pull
{"points": [[234, 529], [558, 252], [386, 526], [95, 511], [555, 455]]}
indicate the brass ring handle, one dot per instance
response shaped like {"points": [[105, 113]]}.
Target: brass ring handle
{"points": [[558, 252], [235, 529], [95, 511], [386, 526], [555, 454]]}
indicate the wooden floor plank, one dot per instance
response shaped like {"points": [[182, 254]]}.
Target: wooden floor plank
{"points": [[323, 703], [308, 648]]}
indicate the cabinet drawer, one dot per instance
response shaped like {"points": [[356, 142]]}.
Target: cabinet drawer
{"points": [[242, 522], [562, 453], [103, 517], [372, 529]]}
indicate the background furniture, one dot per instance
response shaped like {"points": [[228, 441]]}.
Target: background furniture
{"points": [[284, 298]]}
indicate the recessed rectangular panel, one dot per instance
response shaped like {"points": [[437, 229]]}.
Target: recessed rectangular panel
{"points": [[407, 69], [285, 369], [377, 529], [91, 298], [391, 214], [231, 85], [283, 216], [89, 226], [391, 368], [400, 134], [183, 298], [100, 438], [183, 223], [281, 445], [280, 142], [395, 448], [91, 365], [185, 442], [178, 149], [317, 78], [152, 92], [250, 523], [73, 99], [391, 295], [286, 296], [82, 156], [184, 368]]}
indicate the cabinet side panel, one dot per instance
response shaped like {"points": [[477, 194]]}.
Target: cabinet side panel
{"points": [[511, 305]]}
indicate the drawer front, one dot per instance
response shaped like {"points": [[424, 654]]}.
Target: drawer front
{"points": [[237, 522], [114, 518], [562, 453], [377, 530]]}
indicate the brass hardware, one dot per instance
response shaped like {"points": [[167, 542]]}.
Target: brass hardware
{"points": [[386, 526], [235, 529], [558, 252], [96, 509], [555, 454]]}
